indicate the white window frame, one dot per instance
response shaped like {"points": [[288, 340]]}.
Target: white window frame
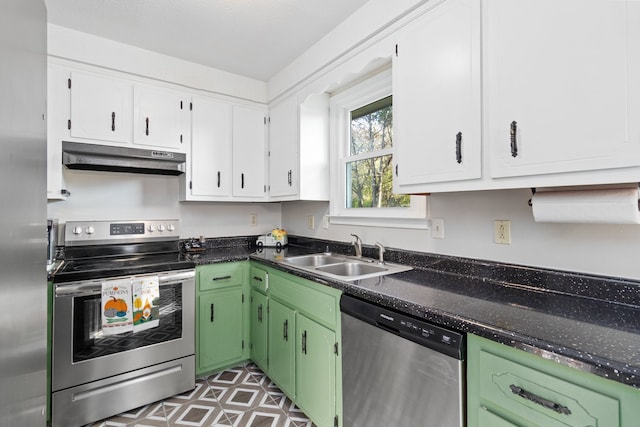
{"points": [[341, 104]]}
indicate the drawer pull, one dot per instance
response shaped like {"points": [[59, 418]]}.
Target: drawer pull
{"points": [[259, 279], [540, 400], [213, 279]]}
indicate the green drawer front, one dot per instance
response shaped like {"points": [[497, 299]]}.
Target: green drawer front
{"points": [[525, 393], [217, 276], [259, 279], [315, 304]]}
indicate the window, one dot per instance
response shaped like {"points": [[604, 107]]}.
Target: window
{"points": [[362, 159]]}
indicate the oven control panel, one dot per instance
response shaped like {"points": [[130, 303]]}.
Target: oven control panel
{"points": [[104, 232]]}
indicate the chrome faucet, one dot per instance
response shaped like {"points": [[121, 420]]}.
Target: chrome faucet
{"points": [[358, 245], [381, 253]]}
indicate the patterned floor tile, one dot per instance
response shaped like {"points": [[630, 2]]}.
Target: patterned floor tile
{"points": [[240, 397]]}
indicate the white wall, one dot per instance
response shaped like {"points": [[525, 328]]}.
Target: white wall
{"points": [[610, 250], [125, 196]]}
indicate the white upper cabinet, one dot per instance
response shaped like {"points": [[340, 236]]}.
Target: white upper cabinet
{"points": [[283, 148], [561, 86], [436, 96], [249, 153], [210, 152], [101, 107], [161, 118]]}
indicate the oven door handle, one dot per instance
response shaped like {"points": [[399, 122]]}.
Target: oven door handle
{"points": [[94, 287]]}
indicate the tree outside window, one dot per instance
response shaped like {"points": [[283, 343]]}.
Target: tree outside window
{"points": [[369, 165]]}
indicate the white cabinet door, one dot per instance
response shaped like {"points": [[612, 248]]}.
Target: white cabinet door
{"points": [[210, 154], [161, 118], [557, 86], [249, 143], [436, 96], [283, 148], [101, 107]]}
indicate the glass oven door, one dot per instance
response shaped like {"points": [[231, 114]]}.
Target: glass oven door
{"points": [[82, 352]]}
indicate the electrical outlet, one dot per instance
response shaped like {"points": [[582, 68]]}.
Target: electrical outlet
{"points": [[325, 222], [253, 219], [437, 228], [311, 222], [502, 232]]}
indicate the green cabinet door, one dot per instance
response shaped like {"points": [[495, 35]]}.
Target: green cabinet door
{"points": [[488, 419], [316, 371], [220, 335], [259, 324], [282, 346]]}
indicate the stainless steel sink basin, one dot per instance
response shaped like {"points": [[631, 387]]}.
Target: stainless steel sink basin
{"points": [[351, 269], [314, 260], [343, 267]]}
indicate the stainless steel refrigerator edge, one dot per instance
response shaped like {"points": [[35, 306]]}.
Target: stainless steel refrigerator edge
{"points": [[23, 315]]}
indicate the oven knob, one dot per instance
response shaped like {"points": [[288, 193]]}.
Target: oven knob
{"points": [[77, 230], [170, 227], [150, 228], [161, 227], [90, 230]]}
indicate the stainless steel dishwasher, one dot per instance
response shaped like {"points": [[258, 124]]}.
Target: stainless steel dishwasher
{"points": [[398, 370]]}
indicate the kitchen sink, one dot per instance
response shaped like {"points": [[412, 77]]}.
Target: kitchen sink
{"points": [[314, 260], [343, 267]]}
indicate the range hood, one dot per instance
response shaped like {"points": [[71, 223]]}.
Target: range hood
{"points": [[121, 159]]}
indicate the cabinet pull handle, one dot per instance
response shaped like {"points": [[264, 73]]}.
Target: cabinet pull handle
{"points": [[212, 312], [113, 121], [459, 147], [286, 330], [242, 180], [304, 342], [218, 179], [396, 170], [147, 126], [260, 313], [213, 279], [289, 177], [259, 279], [549, 404], [514, 141]]}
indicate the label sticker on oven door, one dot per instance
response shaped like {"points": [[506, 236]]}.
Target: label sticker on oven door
{"points": [[146, 303], [117, 316]]}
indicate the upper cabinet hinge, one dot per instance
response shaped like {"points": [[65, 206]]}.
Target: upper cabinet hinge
{"points": [[69, 83], [191, 106], [265, 188], [265, 120], [243, 344], [243, 298], [335, 349]]}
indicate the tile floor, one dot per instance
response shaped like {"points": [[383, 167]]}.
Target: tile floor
{"points": [[240, 397]]}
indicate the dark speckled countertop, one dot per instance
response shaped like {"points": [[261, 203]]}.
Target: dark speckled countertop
{"points": [[587, 322]]}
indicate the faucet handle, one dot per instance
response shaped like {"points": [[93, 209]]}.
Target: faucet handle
{"points": [[382, 251]]}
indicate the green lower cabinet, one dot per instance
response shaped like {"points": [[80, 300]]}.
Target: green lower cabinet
{"points": [[259, 325], [282, 347], [221, 329], [316, 371], [510, 387], [222, 317]]}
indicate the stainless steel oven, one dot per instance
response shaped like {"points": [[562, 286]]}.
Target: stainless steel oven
{"points": [[97, 373]]}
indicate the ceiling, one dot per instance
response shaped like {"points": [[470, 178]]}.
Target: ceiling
{"points": [[252, 38]]}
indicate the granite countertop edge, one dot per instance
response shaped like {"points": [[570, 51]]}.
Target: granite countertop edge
{"points": [[611, 369]]}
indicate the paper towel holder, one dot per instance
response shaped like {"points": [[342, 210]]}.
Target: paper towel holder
{"points": [[533, 192]]}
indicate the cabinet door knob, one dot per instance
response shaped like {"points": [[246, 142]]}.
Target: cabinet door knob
{"points": [[459, 147], [514, 140]]}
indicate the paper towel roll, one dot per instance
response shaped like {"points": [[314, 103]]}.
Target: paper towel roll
{"points": [[606, 206]]}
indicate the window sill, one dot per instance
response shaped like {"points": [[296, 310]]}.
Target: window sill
{"points": [[388, 222]]}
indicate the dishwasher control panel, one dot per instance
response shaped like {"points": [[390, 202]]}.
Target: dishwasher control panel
{"points": [[417, 330]]}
